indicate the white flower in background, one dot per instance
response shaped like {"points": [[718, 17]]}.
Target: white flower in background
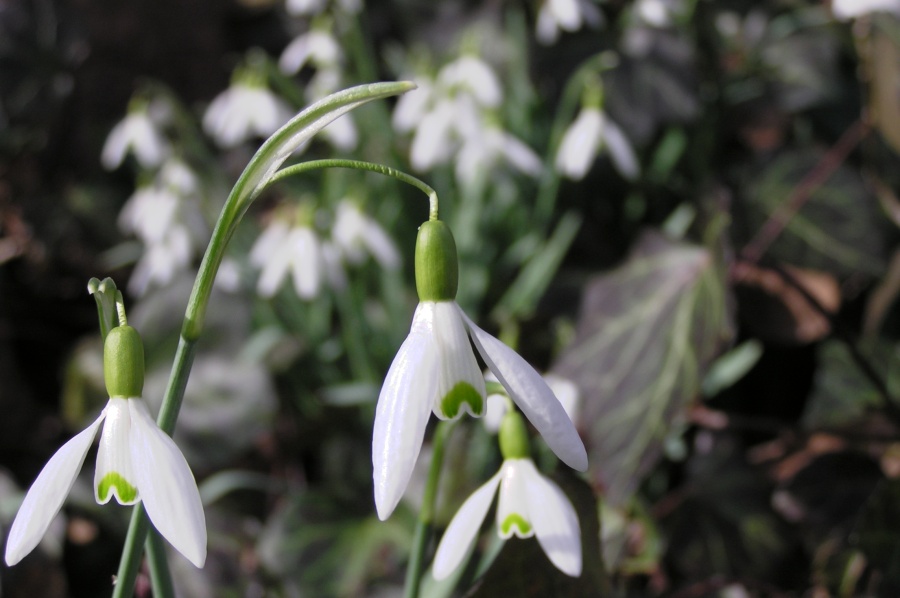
{"points": [[162, 260], [591, 132], [529, 505], [848, 9], [284, 249], [138, 134], [355, 234], [314, 7], [658, 13], [480, 154], [317, 48], [472, 76], [244, 111], [136, 462], [498, 404], [435, 371], [566, 15], [341, 133]]}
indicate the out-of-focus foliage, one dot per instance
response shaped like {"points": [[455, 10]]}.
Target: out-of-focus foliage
{"points": [[715, 266]]}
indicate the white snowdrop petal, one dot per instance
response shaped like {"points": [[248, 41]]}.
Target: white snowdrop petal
{"points": [[513, 517], [494, 412], [580, 144], [620, 151], [402, 412], [431, 145], [306, 265], [167, 486], [47, 494], [411, 107], [463, 529], [460, 381], [115, 147], [114, 473], [268, 242], [567, 13], [529, 391], [295, 55], [554, 519]]}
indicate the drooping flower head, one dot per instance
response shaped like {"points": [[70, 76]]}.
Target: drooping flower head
{"points": [[529, 505], [435, 370], [136, 462]]}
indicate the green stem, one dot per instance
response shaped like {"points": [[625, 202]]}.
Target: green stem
{"points": [[426, 513], [360, 165], [159, 566], [262, 168]]}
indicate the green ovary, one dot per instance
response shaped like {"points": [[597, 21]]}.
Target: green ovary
{"points": [[462, 392], [517, 520], [125, 492]]}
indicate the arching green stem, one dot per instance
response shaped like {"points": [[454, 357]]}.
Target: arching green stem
{"points": [[360, 165], [264, 165]]}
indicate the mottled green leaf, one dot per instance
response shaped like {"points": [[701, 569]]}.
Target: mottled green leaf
{"points": [[645, 336]]}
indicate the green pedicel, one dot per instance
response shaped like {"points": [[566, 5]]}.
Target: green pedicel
{"points": [[125, 491], [513, 437]]}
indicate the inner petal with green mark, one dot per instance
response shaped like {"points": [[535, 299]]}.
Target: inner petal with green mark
{"points": [[514, 519], [124, 492], [460, 394]]}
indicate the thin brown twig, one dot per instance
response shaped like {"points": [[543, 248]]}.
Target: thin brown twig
{"points": [[821, 172]]}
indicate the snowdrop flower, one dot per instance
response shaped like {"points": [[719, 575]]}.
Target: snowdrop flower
{"points": [[138, 134], [481, 152], [474, 77], [284, 249], [435, 370], [848, 9], [565, 15], [589, 133], [162, 260], [316, 47], [355, 234], [314, 7], [136, 462], [529, 505], [658, 13], [246, 109]]}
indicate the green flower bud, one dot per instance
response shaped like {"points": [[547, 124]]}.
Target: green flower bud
{"points": [[123, 362], [513, 437], [437, 268]]}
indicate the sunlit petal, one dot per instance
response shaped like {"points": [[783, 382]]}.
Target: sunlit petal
{"points": [[512, 508], [460, 381], [463, 528], [114, 474], [554, 519], [402, 412], [529, 391], [167, 486], [47, 494]]}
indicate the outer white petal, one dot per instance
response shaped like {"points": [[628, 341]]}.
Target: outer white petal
{"points": [[114, 456], [403, 407], [554, 519], [567, 393], [380, 245], [342, 133], [529, 391], [620, 150], [115, 146], [306, 269], [456, 360], [567, 13], [268, 242], [493, 414], [295, 55], [463, 528], [431, 144], [411, 107], [513, 500], [580, 144], [47, 494], [167, 486], [520, 155]]}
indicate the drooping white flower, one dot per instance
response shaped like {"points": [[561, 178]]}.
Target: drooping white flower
{"points": [[591, 132], [316, 47], [355, 234], [848, 9], [284, 249], [435, 371], [162, 260], [565, 15], [139, 135], [659, 13], [481, 152], [529, 505], [244, 111], [136, 462]]}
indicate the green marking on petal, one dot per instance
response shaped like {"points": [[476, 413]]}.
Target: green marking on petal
{"points": [[517, 520], [462, 392], [125, 492]]}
